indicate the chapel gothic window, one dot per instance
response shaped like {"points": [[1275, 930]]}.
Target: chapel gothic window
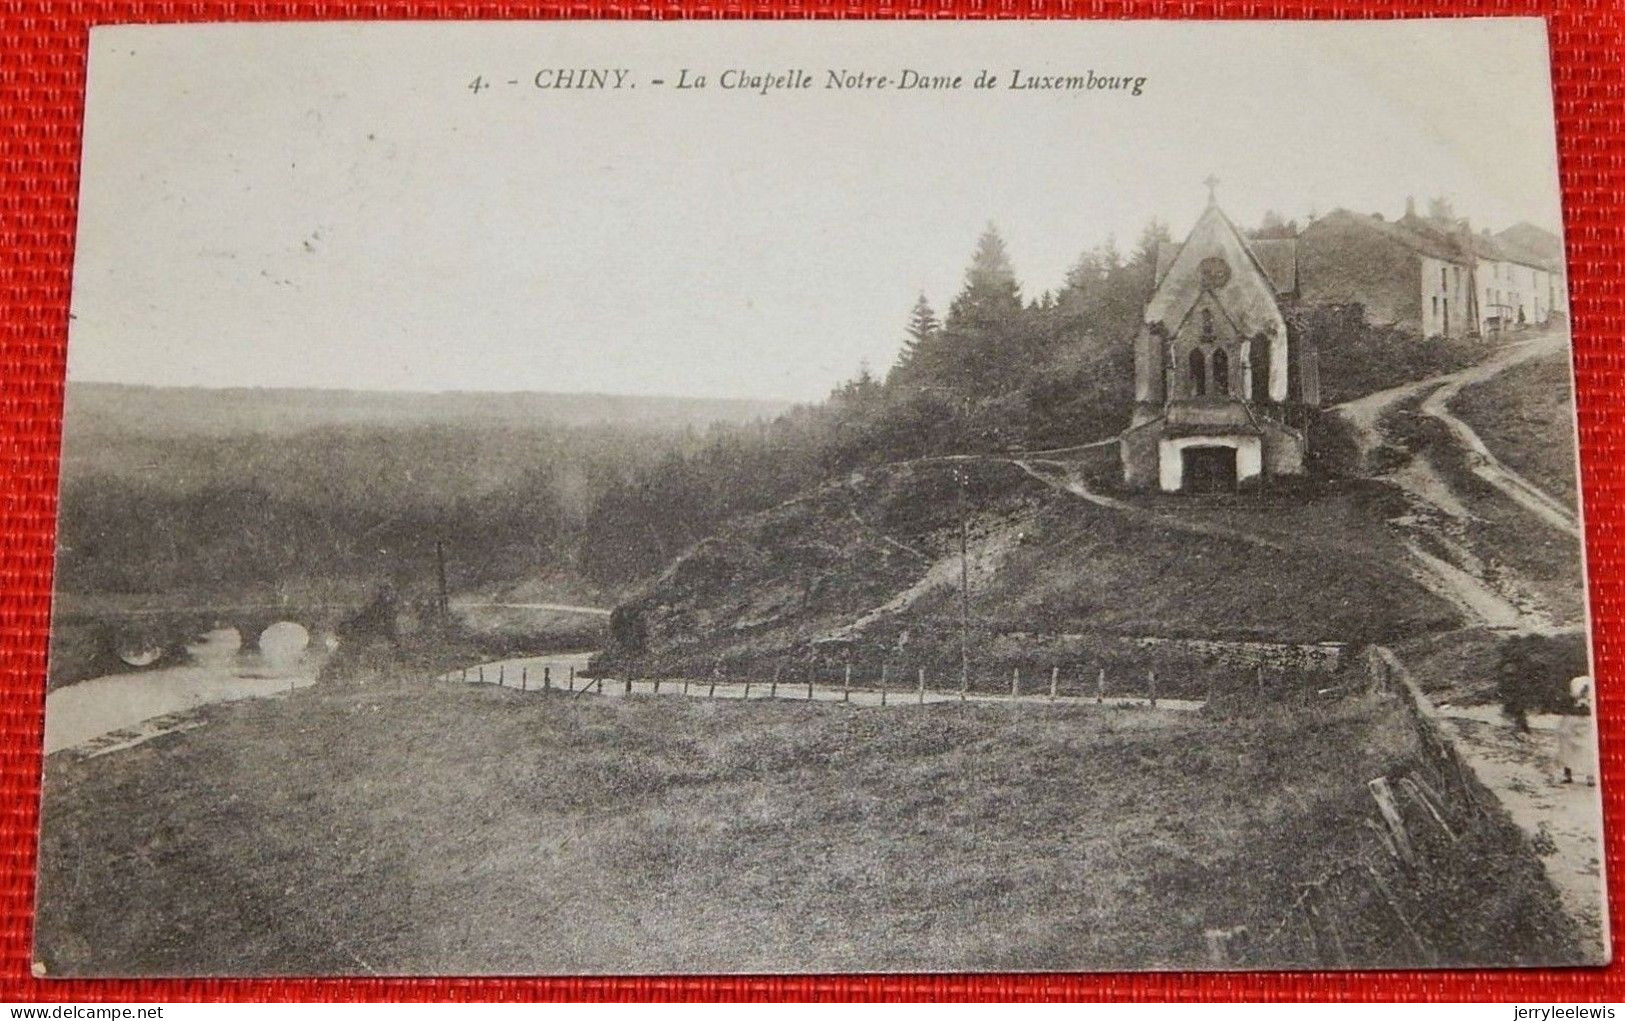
{"points": [[1198, 372], [1221, 372]]}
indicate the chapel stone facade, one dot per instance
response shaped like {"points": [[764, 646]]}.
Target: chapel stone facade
{"points": [[1223, 389]]}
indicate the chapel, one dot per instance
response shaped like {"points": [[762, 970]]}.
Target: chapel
{"points": [[1223, 390]]}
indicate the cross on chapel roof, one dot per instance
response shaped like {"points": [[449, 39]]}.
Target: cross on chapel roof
{"points": [[1212, 183]]}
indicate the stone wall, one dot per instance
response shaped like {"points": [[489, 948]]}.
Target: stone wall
{"points": [[1318, 657]]}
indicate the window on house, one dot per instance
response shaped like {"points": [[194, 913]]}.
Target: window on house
{"points": [[1207, 324], [1444, 282], [1198, 369], [1221, 372], [1435, 306]]}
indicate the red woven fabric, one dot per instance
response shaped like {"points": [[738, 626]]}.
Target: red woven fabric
{"points": [[42, 77]]}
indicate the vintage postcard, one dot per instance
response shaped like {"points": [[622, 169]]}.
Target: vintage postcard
{"points": [[610, 498]]}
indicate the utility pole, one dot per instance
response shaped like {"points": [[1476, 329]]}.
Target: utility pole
{"points": [[964, 590], [440, 578]]}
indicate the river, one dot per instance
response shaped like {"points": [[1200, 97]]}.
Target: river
{"points": [[218, 671]]}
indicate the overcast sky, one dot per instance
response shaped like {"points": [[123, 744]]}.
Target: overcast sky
{"points": [[330, 206]]}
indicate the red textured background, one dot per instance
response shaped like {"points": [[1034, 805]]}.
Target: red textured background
{"points": [[42, 69]]}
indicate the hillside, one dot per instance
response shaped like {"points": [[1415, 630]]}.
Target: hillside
{"points": [[481, 830], [866, 569], [1526, 415]]}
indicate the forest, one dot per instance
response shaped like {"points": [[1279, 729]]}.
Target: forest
{"points": [[212, 500]]}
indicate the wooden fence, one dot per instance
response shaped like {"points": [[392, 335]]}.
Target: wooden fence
{"points": [[803, 683]]}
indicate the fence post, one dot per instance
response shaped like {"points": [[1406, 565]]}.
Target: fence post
{"points": [[547, 678], [773, 692], [1100, 687], [812, 672], [502, 674], [628, 682], [685, 686], [600, 684], [1015, 683], [712, 693], [482, 673], [463, 675], [846, 683], [657, 684], [884, 680], [964, 680], [747, 686], [524, 678], [1054, 681], [572, 677], [1153, 689], [922, 685], [1261, 678]]}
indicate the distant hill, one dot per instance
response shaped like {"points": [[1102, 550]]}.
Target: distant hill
{"points": [[195, 411]]}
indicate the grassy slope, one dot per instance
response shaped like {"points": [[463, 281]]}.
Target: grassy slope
{"points": [[770, 583], [1086, 566], [462, 829], [1526, 417], [1544, 562]]}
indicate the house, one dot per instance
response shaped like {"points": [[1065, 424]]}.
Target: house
{"points": [[1222, 387], [1408, 273], [1527, 277], [1436, 278]]}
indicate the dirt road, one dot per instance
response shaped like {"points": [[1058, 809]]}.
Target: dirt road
{"points": [[1485, 464], [1437, 529], [1564, 821], [590, 611]]}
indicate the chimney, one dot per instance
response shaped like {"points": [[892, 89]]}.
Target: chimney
{"points": [[1410, 206]]}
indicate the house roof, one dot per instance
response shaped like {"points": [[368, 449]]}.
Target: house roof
{"points": [[1528, 245], [1413, 235], [1485, 247], [1535, 242]]}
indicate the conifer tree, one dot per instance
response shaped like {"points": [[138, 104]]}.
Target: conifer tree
{"points": [[991, 291], [923, 326]]}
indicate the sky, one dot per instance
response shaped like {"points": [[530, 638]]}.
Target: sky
{"points": [[331, 205]]}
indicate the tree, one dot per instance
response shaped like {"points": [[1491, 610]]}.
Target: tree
{"points": [[1441, 210], [1275, 226], [923, 327], [991, 290], [1152, 236]]}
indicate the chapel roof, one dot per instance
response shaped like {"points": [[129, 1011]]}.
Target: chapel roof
{"points": [[1277, 257], [1247, 293]]}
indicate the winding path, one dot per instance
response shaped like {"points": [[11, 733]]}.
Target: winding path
{"points": [[1449, 568], [1485, 464], [1563, 821]]}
